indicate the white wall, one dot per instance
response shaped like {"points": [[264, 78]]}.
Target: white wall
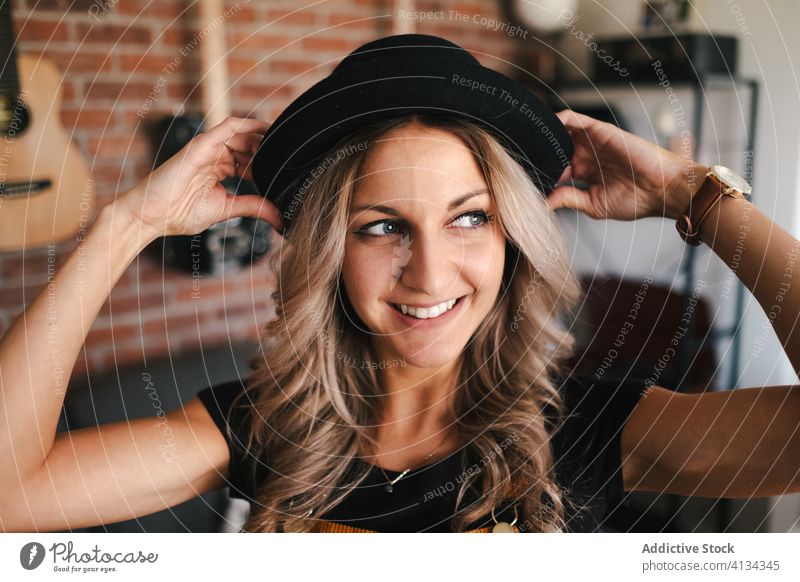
{"points": [[769, 49], [770, 52]]}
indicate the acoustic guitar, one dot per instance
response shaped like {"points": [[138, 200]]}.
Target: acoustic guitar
{"points": [[46, 191]]}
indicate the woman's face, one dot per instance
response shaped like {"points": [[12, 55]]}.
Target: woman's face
{"points": [[418, 240]]}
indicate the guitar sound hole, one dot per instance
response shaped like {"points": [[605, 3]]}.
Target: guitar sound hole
{"points": [[14, 117]]}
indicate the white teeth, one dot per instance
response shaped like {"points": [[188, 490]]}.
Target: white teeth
{"points": [[428, 312]]}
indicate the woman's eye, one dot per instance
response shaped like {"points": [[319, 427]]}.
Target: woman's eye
{"points": [[382, 228], [473, 218]]}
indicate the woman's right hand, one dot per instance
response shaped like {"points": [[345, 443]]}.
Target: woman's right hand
{"points": [[184, 196], [628, 177]]}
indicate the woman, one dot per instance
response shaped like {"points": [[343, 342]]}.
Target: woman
{"points": [[414, 376]]}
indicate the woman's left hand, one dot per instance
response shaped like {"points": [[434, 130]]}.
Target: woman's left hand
{"points": [[185, 196], [627, 176]]}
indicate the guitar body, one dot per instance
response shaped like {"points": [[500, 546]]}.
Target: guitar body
{"points": [[46, 191]]}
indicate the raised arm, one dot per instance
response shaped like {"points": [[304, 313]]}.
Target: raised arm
{"points": [[765, 257], [112, 472], [740, 443]]}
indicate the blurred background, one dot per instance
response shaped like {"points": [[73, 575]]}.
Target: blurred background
{"points": [[116, 87]]}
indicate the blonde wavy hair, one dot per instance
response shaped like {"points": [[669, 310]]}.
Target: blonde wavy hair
{"points": [[312, 412]]}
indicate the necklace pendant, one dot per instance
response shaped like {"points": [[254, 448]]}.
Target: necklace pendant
{"points": [[389, 488], [503, 527]]}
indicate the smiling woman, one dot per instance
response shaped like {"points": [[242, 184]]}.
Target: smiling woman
{"points": [[455, 262], [421, 257], [414, 377]]}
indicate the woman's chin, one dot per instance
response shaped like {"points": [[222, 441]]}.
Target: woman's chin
{"points": [[427, 356]]}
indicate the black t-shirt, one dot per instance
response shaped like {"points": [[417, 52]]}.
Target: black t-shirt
{"points": [[586, 452]]}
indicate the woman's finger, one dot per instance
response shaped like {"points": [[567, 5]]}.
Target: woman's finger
{"points": [[246, 171], [241, 149], [255, 206], [233, 164], [236, 164], [235, 155], [573, 120], [568, 197], [566, 176], [244, 142], [236, 125]]}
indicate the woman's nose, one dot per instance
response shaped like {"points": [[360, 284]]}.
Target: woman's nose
{"points": [[431, 265]]}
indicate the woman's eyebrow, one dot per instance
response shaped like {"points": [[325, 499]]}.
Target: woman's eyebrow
{"points": [[450, 207]]}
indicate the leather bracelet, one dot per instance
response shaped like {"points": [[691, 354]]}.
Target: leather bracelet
{"points": [[689, 227], [710, 192]]}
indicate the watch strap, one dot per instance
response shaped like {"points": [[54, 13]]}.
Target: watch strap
{"points": [[688, 224]]}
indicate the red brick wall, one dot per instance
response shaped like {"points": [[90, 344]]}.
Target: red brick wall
{"points": [[110, 64]]}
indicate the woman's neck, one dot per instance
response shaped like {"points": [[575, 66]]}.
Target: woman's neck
{"points": [[418, 396], [415, 415]]}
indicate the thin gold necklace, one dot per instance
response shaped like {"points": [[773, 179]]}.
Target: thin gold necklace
{"points": [[390, 483]]}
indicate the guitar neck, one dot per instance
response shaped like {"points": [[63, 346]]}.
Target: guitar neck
{"points": [[216, 102], [9, 76], [403, 25]]}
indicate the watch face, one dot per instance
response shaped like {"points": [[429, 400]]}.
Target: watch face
{"points": [[732, 179]]}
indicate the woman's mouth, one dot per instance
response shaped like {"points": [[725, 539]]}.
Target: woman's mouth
{"points": [[427, 317]]}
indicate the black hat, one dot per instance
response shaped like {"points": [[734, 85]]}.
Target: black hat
{"points": [[396, 75]]}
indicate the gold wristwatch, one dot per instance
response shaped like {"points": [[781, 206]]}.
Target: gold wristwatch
{"points": [[719, 182]]}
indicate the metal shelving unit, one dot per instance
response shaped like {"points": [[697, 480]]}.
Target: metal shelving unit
{"points": [[732, 332], [699, 87]]}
